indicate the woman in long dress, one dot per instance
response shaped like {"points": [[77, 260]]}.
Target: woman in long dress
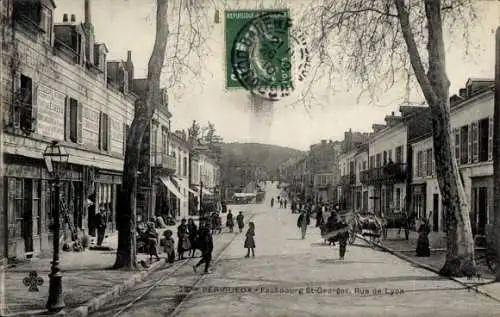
{"points": [[250, 240]]}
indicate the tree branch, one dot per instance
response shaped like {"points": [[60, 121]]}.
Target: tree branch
{"points": [[414, 54]]}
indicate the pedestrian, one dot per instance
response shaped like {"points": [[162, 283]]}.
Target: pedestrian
{"points": [[215, 220], [193, 233], [302, 223], [239, 220], [284, 203], [101, 225], [229, 221], [250, 240], [206, 244], [152, 236], [183, 239], [272, 202], [293, 206], [169, 246], [281, 203], [423, 248], [319, 217]]}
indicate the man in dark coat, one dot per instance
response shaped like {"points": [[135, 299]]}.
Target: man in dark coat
{"points": [[101, 225], [206, 245]]}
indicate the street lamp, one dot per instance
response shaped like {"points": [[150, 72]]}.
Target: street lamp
{"points": [[56, 159]]}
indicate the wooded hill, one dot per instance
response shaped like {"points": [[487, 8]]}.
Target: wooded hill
{"points": [[244, 162]]}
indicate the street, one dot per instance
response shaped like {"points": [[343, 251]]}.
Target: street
{"points": [[293, 277]]}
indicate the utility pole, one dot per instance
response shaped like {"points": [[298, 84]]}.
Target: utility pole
{"points": [[496, 153]]}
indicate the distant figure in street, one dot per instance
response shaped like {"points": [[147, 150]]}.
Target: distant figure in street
{"points": [[230, 221], [284, 204], [423, 248], [249, 240], [183, 239], [152, 241], [169, 246], [101, 225], [302, 223], [319, 217], [193, 234], [281, 203], [272, 202], [294, 206], [239, 220], [206, 245]]}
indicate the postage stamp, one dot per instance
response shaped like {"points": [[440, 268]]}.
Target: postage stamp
{"points": [[262, 55]]}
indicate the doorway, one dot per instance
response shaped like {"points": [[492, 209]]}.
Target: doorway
{"points": [[435, 212], [27, 224]]}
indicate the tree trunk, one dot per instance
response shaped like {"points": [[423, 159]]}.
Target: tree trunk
{"points": [[435, 87], [144, 110], [496, 154]]}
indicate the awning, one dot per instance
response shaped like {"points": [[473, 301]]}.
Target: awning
{"points": [[181, 184], [171, 187]]}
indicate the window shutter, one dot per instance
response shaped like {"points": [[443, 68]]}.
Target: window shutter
{"points": [[108, 129], [475, 143], [34, 108], [16, 113], [101, 130], [67, 118], [124, 148], [424, 163], [469, 144], [490, 139], [79, 130], [457, 145]]}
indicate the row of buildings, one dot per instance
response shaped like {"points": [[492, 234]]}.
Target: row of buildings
{"points": [[57, 83], [392, 170]]}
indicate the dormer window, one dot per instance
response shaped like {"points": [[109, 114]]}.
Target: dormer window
{"points": [[35, 16]]}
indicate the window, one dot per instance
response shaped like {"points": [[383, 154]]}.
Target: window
{"points": [[385, 157], [399, 154], [73, 120], [364, 165], [457, 145], [464, 145], [420, 163], [379, 159], [36, 205], [25, 101], [397, 203], [46, 24], [483, 139], [154, 140], [19, 208], [184, 167], [429, 162], [164, 142], [372, 161], [104, 127], [358, 199]]}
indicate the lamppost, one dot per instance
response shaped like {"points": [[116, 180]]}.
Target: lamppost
{"points": [[56, 159]]}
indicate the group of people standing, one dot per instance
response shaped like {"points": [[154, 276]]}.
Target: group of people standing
{"points": [[281, 201]]}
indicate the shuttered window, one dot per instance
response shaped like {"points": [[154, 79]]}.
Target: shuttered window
{"points": [[464, 145], [104, 132], [457, 145], [490, 139], [475, 142]]}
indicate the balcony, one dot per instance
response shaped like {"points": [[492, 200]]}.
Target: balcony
{"points": [[163, 160], [388, 174], [347, 180]]}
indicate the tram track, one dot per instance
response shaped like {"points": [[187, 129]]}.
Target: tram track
{"points": [[179, 297]]}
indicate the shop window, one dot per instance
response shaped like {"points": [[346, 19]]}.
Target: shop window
{"points": [[36, 205], [19, 208]]}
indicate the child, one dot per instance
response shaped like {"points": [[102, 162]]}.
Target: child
{"points": [[169, 246], [152, 242], [249, 241]]}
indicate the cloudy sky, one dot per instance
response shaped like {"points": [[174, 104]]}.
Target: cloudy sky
{"points": [[129, 25]]}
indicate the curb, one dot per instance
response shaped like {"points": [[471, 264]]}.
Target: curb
{"points": [[432, 269], [115, 291]]}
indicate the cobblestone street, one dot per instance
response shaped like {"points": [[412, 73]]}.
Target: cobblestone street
{"points": [[313, 281]]}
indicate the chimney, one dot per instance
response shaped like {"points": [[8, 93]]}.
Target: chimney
{"points": [[392, 113], [88, 16], [65, 18], [129, 56], [130, 69], [73, 18]]}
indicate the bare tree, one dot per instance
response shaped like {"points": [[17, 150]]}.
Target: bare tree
{"points": [[375, 41], [175, 60]]}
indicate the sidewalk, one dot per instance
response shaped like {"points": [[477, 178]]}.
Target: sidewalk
{"points": [[405, 249], [86, 275]]}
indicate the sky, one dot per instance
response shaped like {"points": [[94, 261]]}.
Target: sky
{"points": [[130, 25]]}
